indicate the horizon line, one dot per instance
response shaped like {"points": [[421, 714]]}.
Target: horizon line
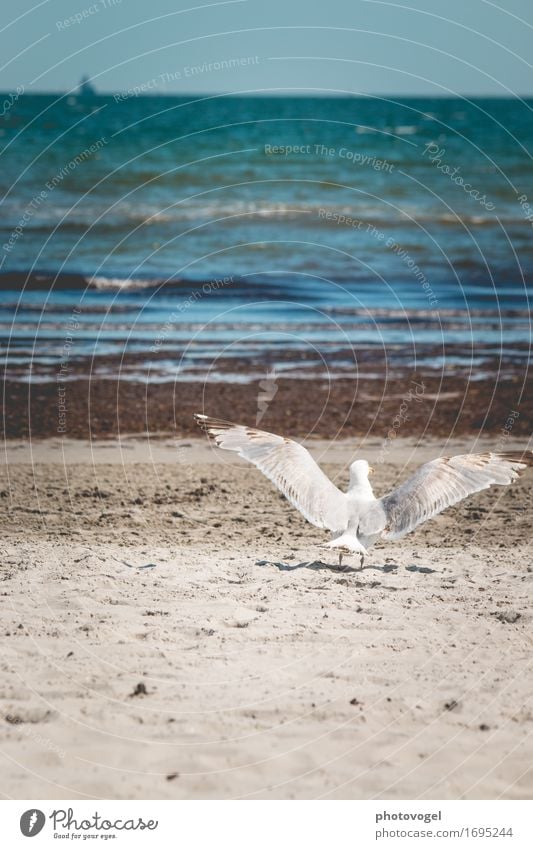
{"points": [[274, 93]]}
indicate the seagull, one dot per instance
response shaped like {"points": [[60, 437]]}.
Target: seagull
{"points": [[356, 518]]}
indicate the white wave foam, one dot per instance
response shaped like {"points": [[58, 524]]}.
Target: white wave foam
{"points": [[118, 283]]}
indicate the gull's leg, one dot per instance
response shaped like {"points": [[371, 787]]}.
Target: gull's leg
{"points": [[362, 561], [340, 559]]}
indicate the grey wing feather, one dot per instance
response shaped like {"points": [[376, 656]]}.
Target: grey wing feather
{"points": [[437, 485], [289, 466]]}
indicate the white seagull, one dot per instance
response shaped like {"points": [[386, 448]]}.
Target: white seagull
{"points": [[356, 518]]}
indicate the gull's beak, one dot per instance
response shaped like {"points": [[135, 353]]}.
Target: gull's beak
{"points": [[371, 470]]}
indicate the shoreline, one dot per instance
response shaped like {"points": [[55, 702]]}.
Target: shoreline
{"points": [[266, 672]]}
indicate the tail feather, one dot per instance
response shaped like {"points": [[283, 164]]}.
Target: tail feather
{"points": [[346, 540]]}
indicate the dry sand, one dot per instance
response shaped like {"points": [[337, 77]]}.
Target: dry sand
{"points": [[170, 632]]}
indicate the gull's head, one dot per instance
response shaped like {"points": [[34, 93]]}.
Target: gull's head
{"points": [[359, 472]]}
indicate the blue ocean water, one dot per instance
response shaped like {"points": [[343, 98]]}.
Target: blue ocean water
{"points": [[196, 231]]}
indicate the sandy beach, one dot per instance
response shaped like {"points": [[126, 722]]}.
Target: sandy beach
{"points": [[171, 630], [444, 405]]}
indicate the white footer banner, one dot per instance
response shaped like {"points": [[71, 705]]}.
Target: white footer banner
{"points": [[273, 824]]}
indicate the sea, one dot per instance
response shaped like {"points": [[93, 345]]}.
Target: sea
{"points": [[219, 238]]}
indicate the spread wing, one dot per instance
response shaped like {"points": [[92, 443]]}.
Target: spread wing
{"points": [[437, 485], [289, 466]]}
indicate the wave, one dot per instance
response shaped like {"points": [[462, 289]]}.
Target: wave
{"points": [[43, 281], [117, 284], [269, 285], [36, 281], [313, 212]]}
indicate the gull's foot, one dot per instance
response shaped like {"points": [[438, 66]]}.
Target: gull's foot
{"points": [[344, 551]]}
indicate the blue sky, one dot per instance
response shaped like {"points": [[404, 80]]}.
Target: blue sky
{"points": [[358, 46]]}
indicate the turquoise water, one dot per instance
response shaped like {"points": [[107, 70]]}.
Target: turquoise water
{"points": [[264, 225]]}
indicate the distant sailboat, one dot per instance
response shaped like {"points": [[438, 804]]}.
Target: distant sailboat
{"points": [[86, 88]]}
